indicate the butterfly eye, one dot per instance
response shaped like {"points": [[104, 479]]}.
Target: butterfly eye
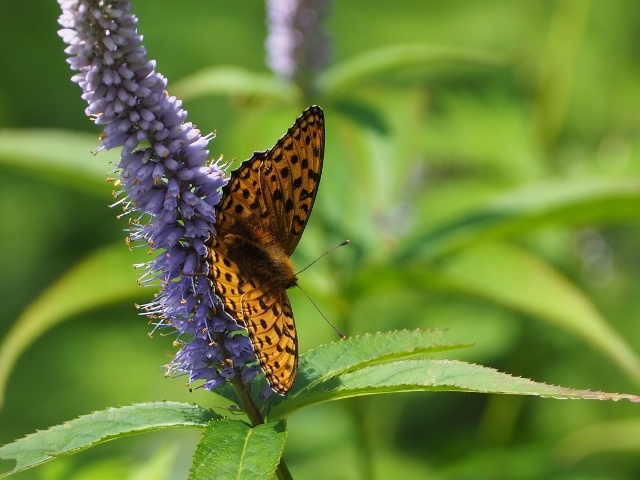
{"points": [[231, 240]]}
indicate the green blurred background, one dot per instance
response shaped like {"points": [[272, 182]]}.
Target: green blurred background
{"points": [[489, 181]]}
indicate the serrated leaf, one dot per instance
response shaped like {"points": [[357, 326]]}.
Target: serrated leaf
{"points": [[99, 427], [349, 73], [430, 375], [233, 449], [60, 156], [104, 277], [356, 352], [231, 80], [587, 200]]}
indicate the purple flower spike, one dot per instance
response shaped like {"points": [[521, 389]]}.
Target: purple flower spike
{"points": [[168, 181], [297, 46]]}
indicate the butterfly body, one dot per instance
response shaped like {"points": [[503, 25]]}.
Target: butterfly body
{"points": [[259, 221], [263, 261]]}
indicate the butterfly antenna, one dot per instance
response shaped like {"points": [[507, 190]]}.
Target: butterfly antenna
{"points": [[341, 244], [340, 334]]}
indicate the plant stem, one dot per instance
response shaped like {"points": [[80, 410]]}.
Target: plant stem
{"points": [[248, 406], [282, 471], [255, 417]]}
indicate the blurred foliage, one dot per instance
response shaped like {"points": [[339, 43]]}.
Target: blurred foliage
{"points": [[487, 178]]}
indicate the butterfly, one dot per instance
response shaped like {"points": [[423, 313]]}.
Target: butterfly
{"points": [[264, 209]]}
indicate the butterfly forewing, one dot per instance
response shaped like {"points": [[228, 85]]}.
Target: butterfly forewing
{"points": [[259, 221], [292, 171]]}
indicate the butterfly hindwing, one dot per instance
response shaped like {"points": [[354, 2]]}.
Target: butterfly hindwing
{"points": [[266, 315], [226, 277], [264, 209], [269, 319]]}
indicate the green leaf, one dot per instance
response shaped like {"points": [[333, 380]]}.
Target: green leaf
{"points": [[373, 63], [559, 55], [606, 437], [235, 81], [106, 276], [583, 201], [327, 361], [363, 114], [159, 465], [233, 449], [98, 427], [58, 155], [434, 376], [512, 277]]}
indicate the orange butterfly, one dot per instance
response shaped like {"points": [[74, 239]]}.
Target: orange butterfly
{"points": [[259, 221]]}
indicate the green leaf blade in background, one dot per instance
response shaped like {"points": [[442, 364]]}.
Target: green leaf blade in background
{"points": [[104, 277], [430, 375], [512, 277], [99, 427], [60, 156], [368, 65], [235, 81], [618, 436], [504, 274], [526, 209], [233, 449]]}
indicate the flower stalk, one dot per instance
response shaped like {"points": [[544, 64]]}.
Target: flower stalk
{"points": [[168, 189], [297, 45]]}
